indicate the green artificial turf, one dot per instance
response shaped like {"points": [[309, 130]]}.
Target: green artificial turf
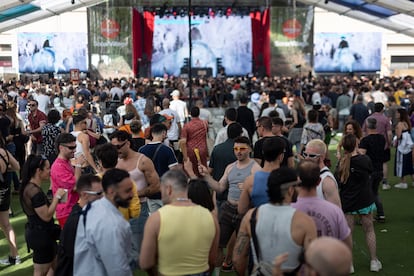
{"points": [[395, 239]]}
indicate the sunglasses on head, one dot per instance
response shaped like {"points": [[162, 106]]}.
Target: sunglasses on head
{"points": [[69, 147], [310, 155], [94, 193]]}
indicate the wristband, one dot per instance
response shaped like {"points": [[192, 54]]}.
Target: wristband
{"points": [[78, 165], [58, 197]]}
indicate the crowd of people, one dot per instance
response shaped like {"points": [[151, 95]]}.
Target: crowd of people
{"points": [[137, 182]]}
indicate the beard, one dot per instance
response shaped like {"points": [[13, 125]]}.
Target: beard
{"points": [[120, 202]]}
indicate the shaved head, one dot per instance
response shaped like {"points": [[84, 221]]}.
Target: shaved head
{"points": [[329, 257]]}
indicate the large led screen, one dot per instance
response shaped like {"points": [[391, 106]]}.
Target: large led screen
{"points": [[347, 52], [216, 39], [52, 52]]}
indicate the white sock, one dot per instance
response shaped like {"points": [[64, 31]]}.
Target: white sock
{"points": [[217, 271]]}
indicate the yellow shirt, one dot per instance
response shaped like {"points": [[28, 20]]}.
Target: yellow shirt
{"points": [[185, 238], [398, 95], [134, 208]]}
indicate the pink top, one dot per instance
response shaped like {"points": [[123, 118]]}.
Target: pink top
{"points": [[63, 176]]}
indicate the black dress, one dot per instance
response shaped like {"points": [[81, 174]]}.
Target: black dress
{"points": [[40, 236], [356, 193]]}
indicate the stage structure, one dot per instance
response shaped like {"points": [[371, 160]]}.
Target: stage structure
{"points": [[226, 40]]}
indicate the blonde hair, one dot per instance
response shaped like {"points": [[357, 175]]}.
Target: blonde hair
{"points": [[319, 145]]}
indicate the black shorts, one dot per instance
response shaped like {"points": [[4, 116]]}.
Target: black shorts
{"points": [[4, 197], [387, 155], [43, 245], [229, 220]]}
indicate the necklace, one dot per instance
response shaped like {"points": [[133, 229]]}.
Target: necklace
{"points": [[182, 199]]}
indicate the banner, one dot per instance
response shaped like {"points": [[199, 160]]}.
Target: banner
{"points": [[110, 46], [291, 39]]}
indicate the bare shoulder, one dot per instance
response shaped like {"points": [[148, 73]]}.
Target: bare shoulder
{"points": [[144, 162], [302, 220], [154, 221], [256, 167]]}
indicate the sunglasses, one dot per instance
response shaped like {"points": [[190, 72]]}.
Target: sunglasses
{"points": [[310, 155], [240, 148], [290, 184], [31, 105], [120, 146], [94, 193], [69, 147]]}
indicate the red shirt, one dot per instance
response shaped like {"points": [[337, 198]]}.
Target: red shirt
{"points": [[34, 119], [195, 132]]}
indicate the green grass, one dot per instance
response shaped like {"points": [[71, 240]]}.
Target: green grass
{"points": [[395, 238]]}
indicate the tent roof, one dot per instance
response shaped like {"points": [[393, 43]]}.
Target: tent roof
{"points": [[15, 13], [395, 15]]}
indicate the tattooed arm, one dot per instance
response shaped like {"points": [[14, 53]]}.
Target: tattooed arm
{"points": [[241, 249]]}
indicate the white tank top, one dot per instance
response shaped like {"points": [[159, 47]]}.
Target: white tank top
{"points": [[79, 148], [325, 172], [273, 231]]}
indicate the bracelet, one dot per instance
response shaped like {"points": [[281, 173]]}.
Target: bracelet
{"points": [[78, 165], [58, 197]]}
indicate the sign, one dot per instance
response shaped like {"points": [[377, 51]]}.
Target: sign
{"points": [[110, 28], [74, 74], [292, 28]]}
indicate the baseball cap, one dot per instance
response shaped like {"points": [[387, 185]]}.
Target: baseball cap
{"points": [[255, 97], [175, 93]]}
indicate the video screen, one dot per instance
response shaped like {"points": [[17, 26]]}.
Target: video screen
{"points": [[347, 52], [227, 40], [52, 52]]}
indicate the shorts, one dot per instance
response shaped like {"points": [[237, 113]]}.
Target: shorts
{"points": [[387, 155], [43, 245], [4, 197], [364, 211], [229, 220]]}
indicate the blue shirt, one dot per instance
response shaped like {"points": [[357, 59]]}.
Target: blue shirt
{"points": [[164, 159], [103, 244], [259, 192]]}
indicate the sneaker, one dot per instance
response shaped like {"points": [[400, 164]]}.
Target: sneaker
{"points": [[401, 186], [11, 261], [386, 186], [375, 265], [380, 219], [227, 267]]}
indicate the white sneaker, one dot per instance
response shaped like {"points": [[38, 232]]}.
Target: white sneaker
{"points": [[11, 261], [375, 265], [401, 186], [386, 186]]}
